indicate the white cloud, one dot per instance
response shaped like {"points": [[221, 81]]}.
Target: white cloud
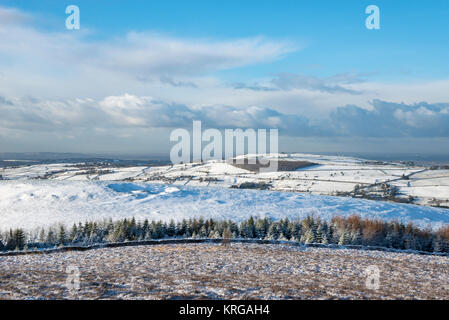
{"points": [[70, 64], [136, 54], [12, 16], [420, 116], [150, 53]]}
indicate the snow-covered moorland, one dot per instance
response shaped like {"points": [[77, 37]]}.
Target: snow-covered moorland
{"points": [[32, 204], [40, 195], [326, 175]]}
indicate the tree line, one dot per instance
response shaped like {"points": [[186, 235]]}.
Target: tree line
{"points": [[352, 230]]}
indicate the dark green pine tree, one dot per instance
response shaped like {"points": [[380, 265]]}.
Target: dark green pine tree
{"points": [[233, 227], [319, 234], [203, 232], [273, 231], [409, 242], [140, 234], [200, 224], [119, 232], [86, 230], [42, 237], [250, 231], [132, 230], [171, 230], [51, 237], [344, 238], [11, 243], [356, 237], [146, 229], [62, 236], [295, 230], [183, 229], [73, 233], [93, 236], [325, 236], [309, 236], [158, 231], [284, 227], [262, 226]]}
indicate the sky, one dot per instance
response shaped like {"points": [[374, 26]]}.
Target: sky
{"points": [[136, 70]]}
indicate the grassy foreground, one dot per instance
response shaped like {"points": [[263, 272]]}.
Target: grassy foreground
{"points": [[214, 271]]}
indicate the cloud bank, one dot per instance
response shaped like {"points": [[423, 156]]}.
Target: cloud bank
{"points": [[385, 119]]}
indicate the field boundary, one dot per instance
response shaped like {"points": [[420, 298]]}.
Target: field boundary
{"points": [[216, 241]]}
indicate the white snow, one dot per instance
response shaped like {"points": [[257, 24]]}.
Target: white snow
{"points": [[36, 203], [35, 195]]}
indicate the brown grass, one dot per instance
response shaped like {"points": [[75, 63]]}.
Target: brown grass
{"points": [[211, 271]]}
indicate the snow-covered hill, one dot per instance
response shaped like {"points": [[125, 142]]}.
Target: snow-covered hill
{"points": [[326, 175], [32, 204]]}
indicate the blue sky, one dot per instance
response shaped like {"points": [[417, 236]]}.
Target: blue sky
{"points": [[311, 61], [413, 36]]}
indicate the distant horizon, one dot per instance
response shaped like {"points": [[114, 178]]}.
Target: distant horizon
{"points": [[423, 158]]}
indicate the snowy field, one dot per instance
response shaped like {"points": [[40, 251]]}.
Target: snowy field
{"points": [[38, 195], [35, 203], [211, 271], [330, 175]]}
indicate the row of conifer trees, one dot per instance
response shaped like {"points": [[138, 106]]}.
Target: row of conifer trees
{"points": [[340, 230]]}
